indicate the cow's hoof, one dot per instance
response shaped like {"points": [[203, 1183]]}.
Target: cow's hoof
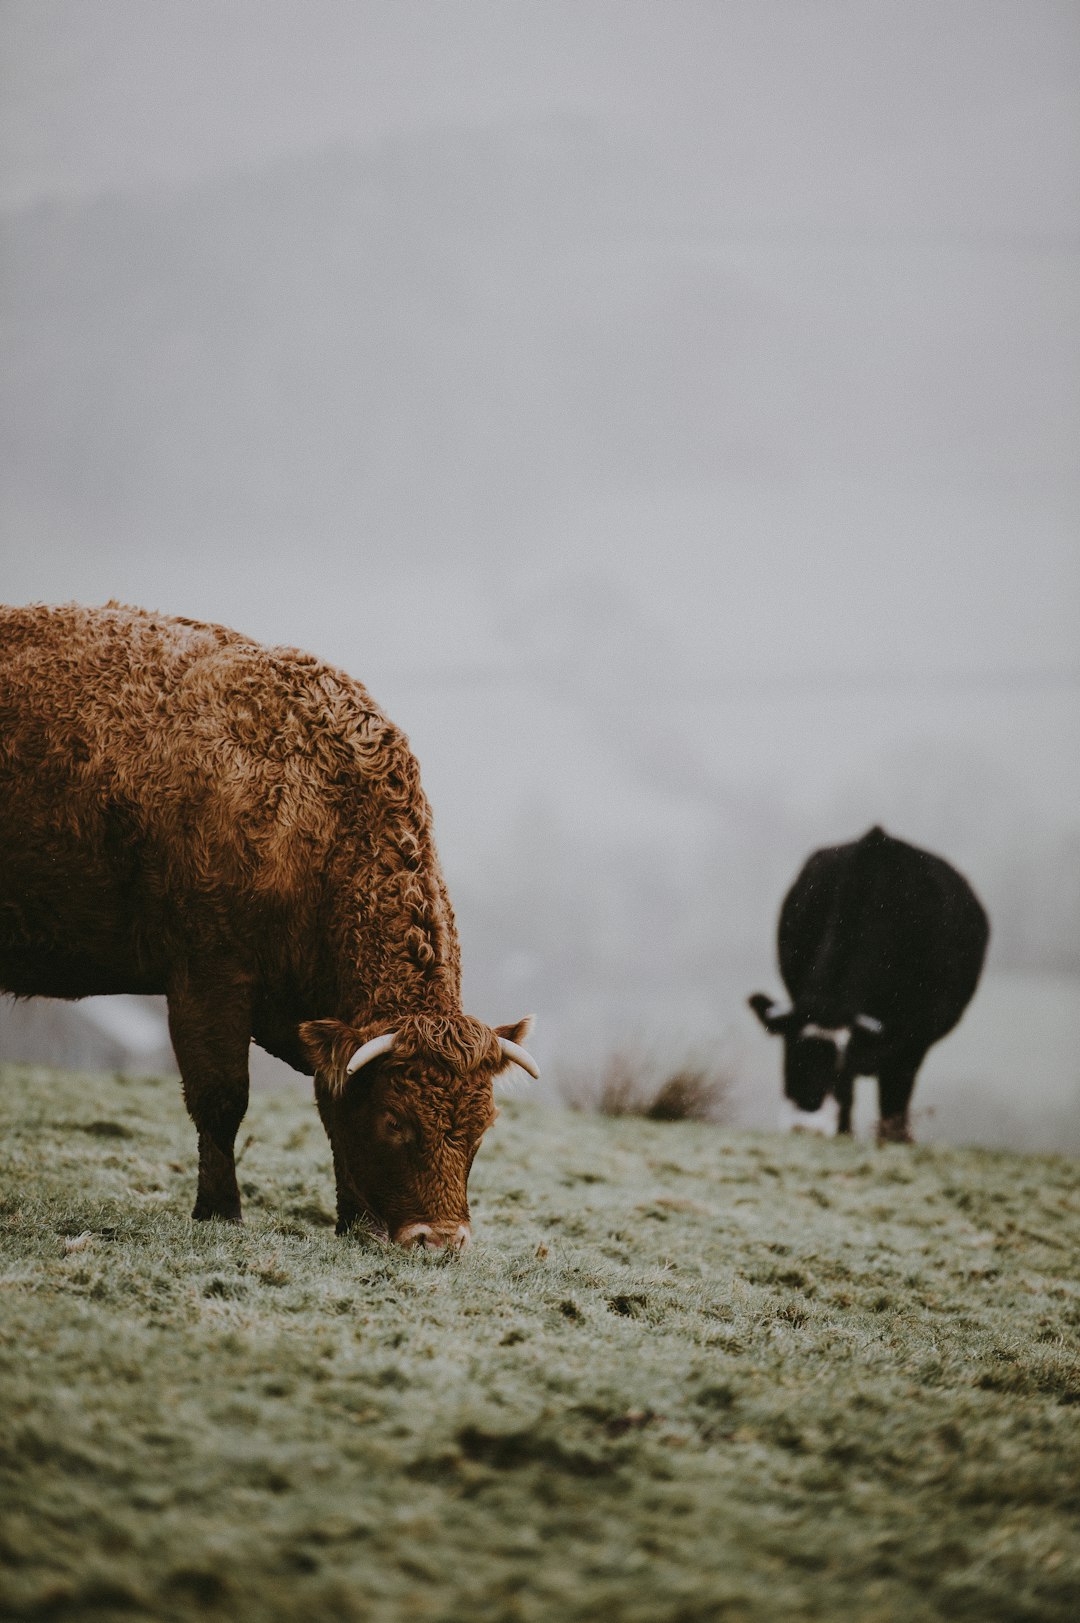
{"points": [[202, 1214], [894, 1130]]}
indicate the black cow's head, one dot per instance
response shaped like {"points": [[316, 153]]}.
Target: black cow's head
{"points": [[813, 1055]]}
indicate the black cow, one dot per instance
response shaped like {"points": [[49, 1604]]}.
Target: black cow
{"points": [[881, 946]]}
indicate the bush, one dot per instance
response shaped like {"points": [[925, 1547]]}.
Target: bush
{"points": [[699, 1088]]}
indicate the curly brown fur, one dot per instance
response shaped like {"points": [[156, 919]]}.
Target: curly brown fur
{"points": [[183, 810]]}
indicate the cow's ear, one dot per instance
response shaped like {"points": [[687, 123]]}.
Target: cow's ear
{"points": [[329, 1045], [518, 1032], [776, 1019]]}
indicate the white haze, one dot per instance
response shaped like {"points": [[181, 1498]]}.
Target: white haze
{"points": [[670, 411]]}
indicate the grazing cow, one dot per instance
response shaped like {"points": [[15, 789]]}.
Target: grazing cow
{"points": [[183, 811], [881, 946]]}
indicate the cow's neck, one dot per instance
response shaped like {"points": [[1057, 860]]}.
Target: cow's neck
{"points": [[399, 953]]}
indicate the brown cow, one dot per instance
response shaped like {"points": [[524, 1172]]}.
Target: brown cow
{"points": [[183, 811]]}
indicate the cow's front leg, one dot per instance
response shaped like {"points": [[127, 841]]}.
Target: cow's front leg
{"points": [[845, 1096], [895, 1085], [349, 1210], [210, 1025]]}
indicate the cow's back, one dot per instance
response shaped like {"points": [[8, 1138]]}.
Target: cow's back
{"points": [[160, 781], [882, 927]]}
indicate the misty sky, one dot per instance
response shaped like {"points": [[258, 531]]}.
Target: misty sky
{"points": [[917, 116], [808, 494]]}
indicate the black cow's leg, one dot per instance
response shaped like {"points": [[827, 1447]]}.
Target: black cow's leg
{"points": [[895, 1084], [845, 1095], [210, 1025]]}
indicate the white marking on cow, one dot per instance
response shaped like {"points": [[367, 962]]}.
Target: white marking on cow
{"points": [[839, 1036]]}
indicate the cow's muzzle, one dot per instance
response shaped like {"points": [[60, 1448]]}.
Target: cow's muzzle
{"points": [[434, 1236]]}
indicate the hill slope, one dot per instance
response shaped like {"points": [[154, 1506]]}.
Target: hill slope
{"points": [[683, 1374]]}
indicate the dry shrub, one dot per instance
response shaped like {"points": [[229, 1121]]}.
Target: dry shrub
{"points": [[692, 1094], [635, 1084]]}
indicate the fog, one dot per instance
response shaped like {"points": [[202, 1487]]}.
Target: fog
{"points": [[670, 412]]}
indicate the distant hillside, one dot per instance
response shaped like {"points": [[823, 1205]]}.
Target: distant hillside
{"points": [[384, 346], [420, 344]]}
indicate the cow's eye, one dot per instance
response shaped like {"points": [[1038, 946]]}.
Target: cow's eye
{"points": [[394, 1129]]}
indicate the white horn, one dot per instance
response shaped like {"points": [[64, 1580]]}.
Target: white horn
{"points": [[371, 1050], [867, 1022], [515, 1052]]}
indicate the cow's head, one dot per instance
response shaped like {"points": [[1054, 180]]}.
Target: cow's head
{"points": [[405, 1110], [815, 1055]]}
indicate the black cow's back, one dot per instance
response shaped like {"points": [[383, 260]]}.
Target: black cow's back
{"points": [[879, 927]]}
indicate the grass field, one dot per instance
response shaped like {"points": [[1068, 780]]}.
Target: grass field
{"points": [[683, 1374]]}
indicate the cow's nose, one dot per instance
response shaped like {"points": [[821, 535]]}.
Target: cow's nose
{"points": [[432, 1237]]}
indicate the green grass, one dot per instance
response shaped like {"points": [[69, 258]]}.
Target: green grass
{"points": [[683, 1374]]}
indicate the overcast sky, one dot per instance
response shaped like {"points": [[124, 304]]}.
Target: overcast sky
{"points": [[942, 115]]}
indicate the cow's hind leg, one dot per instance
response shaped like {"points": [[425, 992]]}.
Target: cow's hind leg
{"points": [[895, 1085], [210, 1025]]}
